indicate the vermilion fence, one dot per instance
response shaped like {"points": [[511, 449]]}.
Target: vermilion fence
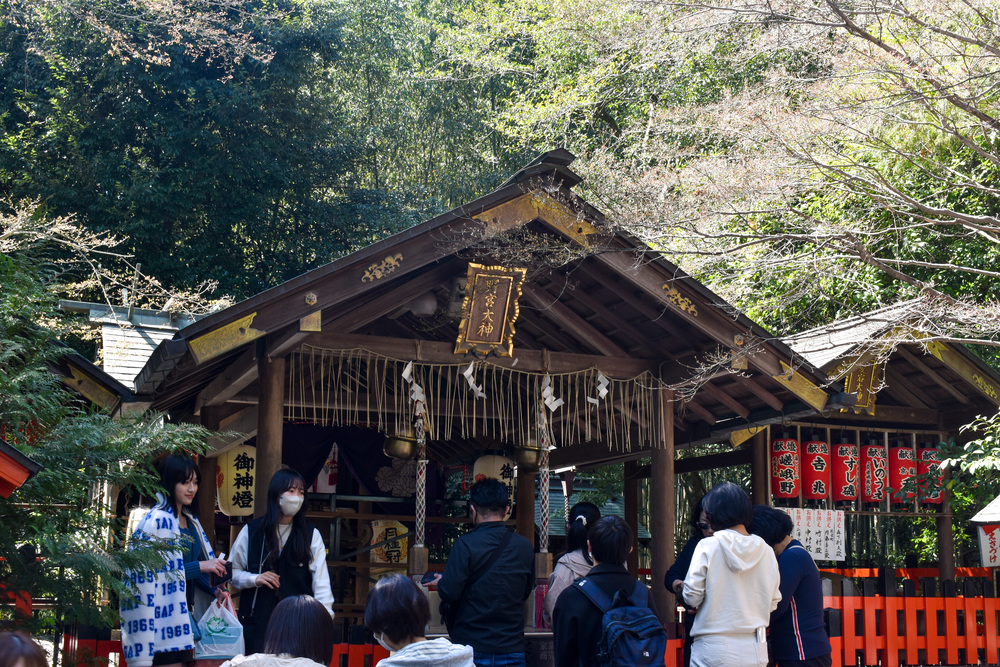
{"points": [[883, 617], [898, 617]]}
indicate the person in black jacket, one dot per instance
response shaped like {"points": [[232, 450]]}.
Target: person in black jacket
{"points": [[489, 602], [576, 621], [674, 579]]}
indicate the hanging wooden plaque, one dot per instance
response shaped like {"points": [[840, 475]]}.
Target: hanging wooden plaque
{"points": [[489, 310]]}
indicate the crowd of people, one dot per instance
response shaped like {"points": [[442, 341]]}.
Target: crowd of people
{"points": [[752, 594]]}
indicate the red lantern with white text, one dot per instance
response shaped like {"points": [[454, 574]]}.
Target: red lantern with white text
{"points": [[874, 478], [815, 470], [930, 486], [785, 468], [902, 467], [844, 476]]}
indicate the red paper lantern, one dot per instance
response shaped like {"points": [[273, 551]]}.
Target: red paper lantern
{"points": [[785, 468], [931, 489], [815, 470], [874, 479], [844, 477], [902, 466]]}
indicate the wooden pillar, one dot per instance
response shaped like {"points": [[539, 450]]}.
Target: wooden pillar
{"points": [[362, 583], [631, 492], [206, 497], [662, 510], [270, 419], [946, 537], [208, 492], [759, 468], [525, 490]]}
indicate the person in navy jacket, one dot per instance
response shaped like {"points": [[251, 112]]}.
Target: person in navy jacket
{"points": [[797, 636]]}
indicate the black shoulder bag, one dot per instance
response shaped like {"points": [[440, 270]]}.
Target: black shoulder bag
{"points": [[449, 610]]}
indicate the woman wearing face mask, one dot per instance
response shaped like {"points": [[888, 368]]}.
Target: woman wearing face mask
{"points": [[277, 556], [397, 614]]}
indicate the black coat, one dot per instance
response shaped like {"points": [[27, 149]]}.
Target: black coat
{"points": [[490, 617], [576, 621]]}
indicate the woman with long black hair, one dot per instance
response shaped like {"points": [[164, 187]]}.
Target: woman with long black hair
{"points": [[576, 562], [277, 556], [159, 623]]}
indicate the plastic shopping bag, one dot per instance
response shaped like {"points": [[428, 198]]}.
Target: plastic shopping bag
{"points": [[221, 632]]}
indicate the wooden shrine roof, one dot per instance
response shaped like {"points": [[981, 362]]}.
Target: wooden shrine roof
{"points": [[593, 298], [921, 383]]}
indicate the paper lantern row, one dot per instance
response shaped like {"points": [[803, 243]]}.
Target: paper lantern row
{"points": [[846, 472]]}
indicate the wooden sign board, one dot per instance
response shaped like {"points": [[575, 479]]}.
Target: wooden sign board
{"points": [[489, 310]]}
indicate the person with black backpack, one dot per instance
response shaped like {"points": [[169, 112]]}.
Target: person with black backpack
{"points": [[608, 617]]}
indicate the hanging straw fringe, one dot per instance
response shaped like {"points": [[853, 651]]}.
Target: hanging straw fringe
{"points": [[355, 386]]}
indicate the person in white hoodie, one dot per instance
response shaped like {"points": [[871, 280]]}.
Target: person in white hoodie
{"points": [[576, 562], [397, 614], [733, 582]]}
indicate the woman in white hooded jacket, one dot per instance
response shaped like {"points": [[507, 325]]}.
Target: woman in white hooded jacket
{"points": [[733, 582]]}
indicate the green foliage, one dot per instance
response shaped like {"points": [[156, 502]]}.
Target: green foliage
{"points": [[64, 515]]}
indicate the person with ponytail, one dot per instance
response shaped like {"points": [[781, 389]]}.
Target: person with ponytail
{"points": [[277, 556], [576, 562]]}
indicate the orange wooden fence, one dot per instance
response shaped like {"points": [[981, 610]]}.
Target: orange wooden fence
{"points": [[95, 652], [893, 631]]}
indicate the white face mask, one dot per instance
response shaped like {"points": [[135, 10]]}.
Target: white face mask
{"points": [[289, 504], [381, 642]]}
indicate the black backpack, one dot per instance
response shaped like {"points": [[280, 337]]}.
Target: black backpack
{"points": [[631, 634]]}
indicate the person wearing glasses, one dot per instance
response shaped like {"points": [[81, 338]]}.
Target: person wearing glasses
{"points": [[674, 579], [733, 582]]}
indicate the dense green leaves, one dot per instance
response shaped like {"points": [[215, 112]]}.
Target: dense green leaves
{"points": [[65, 514]]}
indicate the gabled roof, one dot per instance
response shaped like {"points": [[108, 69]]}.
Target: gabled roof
{"points": [[89, 380], [593, 299], [879, 350]]}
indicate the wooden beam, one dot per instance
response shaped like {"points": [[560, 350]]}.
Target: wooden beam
{"points": [[757, 390], [526, 360], [684, 302], [982, 380], [372, 309], [901, 387], [238, 428], [891, 414], [760, 468], [662, 513], [229, 382], [736, 457], [631, 497], [700, 410], [269, 425], [726, 399], [604, 311], [932, 374], [243, 372], [572, 324]]}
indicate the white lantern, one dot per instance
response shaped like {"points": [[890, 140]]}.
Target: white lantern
{"points": [[235, 478], [497, 467]]}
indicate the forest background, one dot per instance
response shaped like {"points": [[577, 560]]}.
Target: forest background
{"points": [[806, 161]]}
